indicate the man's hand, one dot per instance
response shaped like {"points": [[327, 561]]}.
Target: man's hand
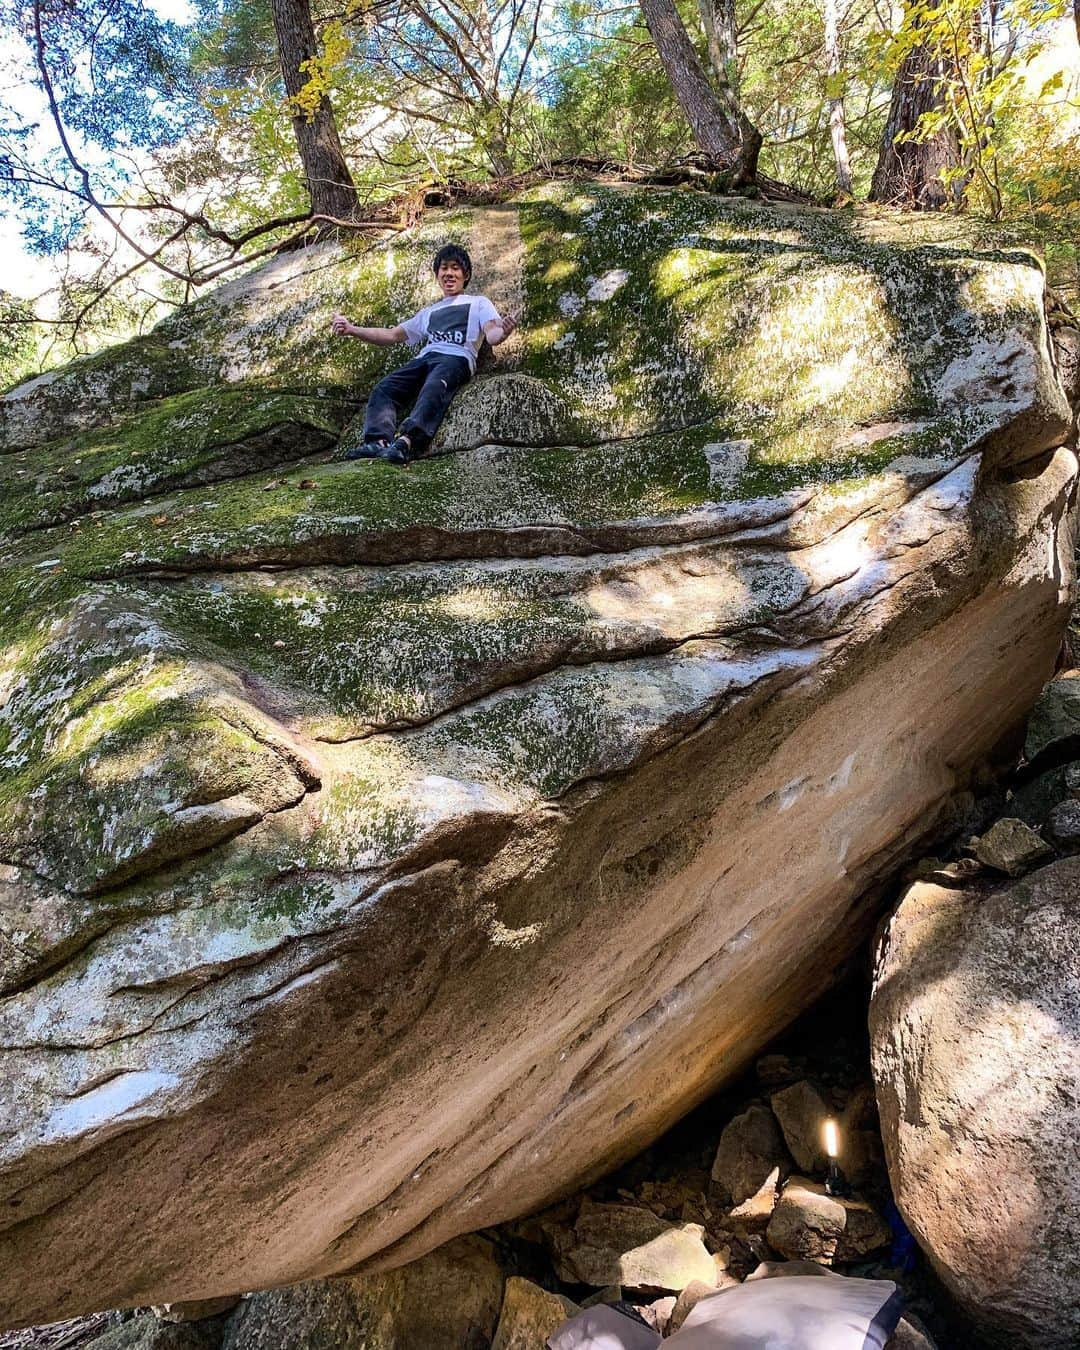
{"points": [[379, 337], [498, 330]]}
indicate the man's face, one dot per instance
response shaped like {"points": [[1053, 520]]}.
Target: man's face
{"points": [[451, 277]]}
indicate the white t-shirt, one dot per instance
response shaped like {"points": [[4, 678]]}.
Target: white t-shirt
{"points": [[452, 326]]}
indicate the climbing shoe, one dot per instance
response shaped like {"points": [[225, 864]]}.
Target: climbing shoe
{"points": [[365, 450], [397, 452]]}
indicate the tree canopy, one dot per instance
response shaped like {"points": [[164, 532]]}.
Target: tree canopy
{"points": [[149, 155]]}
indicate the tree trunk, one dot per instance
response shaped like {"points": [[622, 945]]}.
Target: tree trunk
{"points": [[718, 20], [498, 152], [719, 126], [909, 173], [833, 66], [329, 182]]}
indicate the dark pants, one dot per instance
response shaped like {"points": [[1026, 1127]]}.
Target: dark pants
{"points": [[432, 381]]}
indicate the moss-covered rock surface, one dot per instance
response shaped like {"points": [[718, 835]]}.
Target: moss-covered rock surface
{"points": [[332, 794]]}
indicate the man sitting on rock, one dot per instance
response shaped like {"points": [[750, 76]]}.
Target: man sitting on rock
{"points": [[453, 330]]}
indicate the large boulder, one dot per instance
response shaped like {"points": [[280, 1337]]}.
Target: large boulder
{"points": [[975, 1024], [385, 854]]}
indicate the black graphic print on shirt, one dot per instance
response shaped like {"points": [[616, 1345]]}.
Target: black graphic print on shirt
{"points": [[449, 323]]}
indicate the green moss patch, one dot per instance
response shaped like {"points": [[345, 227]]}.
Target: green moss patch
{"points": [[198, 436], [647, 308]]}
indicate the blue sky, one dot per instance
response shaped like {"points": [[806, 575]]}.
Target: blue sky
{"points": [[24, 273]]}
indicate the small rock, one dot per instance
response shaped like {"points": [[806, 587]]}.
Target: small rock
{"points": [[1072, 779], [1011, 847], [860, 1139], [770, 1270], [1063, 826], [909, 1335], [944, 873], [658, 1313], [1055, 719], [686, 1188], [802, 1115], [611, 1293], [552, 1227], [809, 1225], [307, 483], [695, 1211], [690, 1297], [923, 868], [1033, 801], [860, 1109], [632, 1247], [750, 1148], [861, 1156], [196, 1310], [529, 1315], [865, 1230], [753, 1215], [776, 1071]]}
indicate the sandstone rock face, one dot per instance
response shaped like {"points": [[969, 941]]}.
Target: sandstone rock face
{"points": [[384, 854], [975, 1026]]}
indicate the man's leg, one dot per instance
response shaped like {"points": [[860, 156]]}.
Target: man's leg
{"points": [[445, 376], [388, 398]]}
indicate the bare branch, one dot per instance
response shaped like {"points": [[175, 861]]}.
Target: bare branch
{"points": [[61, 131]]}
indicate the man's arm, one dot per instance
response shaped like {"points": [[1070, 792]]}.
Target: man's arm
{"points": [[498, 330], [381, 337]]}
